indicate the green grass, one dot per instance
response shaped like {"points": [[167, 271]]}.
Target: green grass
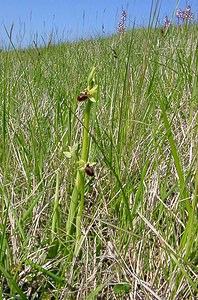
{"points": [[139, 222]]}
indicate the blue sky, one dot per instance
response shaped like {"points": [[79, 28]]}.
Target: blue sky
{"points": [[73, 19]]}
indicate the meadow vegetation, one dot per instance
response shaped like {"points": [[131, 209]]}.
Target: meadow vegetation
{"points": [[138, 227]]}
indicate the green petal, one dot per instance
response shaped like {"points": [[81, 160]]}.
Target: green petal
{"points": [[68, 154]]}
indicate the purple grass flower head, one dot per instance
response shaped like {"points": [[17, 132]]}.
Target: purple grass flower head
{"points": [[188, 9], [123, 17], [185, 15], [179, 14], [121, 28], [188, 13], [167, 22]]}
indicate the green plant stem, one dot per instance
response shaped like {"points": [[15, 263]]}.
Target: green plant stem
{"points": [[84, 157], [56, 214], [85, 145], [78, 192], [72, 208]]}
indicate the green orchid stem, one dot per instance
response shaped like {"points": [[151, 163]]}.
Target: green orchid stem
{"points": [[85, 146], [77, 200], [84, 157]]}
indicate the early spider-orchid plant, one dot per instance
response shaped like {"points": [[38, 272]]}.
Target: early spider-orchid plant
{"points": [[84, 166]]}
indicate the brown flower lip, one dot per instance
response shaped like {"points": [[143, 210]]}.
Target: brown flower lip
{"points": [[89, 171], [82, 97]]}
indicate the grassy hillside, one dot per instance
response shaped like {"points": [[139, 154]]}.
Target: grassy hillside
{"points": [[136, 237]]}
